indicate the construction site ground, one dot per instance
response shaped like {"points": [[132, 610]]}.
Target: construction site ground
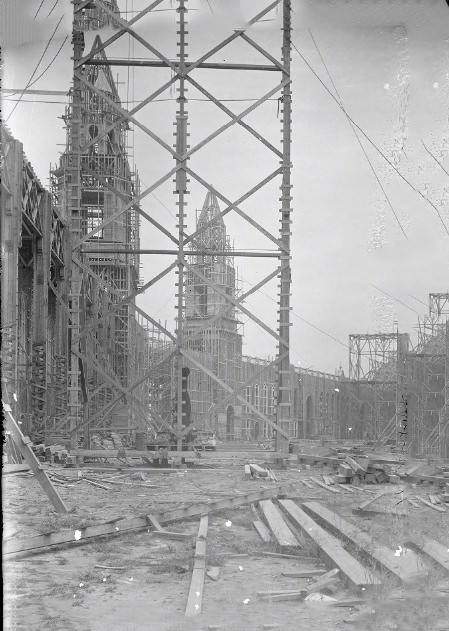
{"points": [[71, 588]]}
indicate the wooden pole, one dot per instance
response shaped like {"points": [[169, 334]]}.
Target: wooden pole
{"points": [[23, 443]]}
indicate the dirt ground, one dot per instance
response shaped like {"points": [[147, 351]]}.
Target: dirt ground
{"points": [[65, 589]]}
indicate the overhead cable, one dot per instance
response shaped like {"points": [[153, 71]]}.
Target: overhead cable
{"points": [[393, 298], [36, 67], [446, 229], [358, 139], [434, 157]]}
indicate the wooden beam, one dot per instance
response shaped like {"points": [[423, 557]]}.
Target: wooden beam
{"points": [[331, 548], [23, 443], [180, 536], [195, 598], [275, 520], [402, 563], [258, 471], [435, 550], [14, 468], [122, 525], [109, 453], [440, 509], [263, 531], [304, 574], [371, 500], [324, 486]]}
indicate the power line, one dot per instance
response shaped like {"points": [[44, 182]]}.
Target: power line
{"points": [[38, 9], [37, 66], [36, 101], [371, 142], [51, 62], [434, 157], [418, 300], [393, 298], [300, 317], [358, 139], [53, 8]]}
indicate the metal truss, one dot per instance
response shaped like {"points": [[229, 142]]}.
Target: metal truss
{"points": [[181, 77], [432, 422], [375, 377]]}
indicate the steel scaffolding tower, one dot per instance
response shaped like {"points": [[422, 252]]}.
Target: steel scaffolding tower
{"points": [[92, 186], [431, 418], [376, 370], [181, 76]]}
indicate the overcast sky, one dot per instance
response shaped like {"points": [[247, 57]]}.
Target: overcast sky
{"points": [[389, 62]]}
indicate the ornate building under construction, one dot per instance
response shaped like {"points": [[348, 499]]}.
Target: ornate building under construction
{"points": [[80, 357], [211, 325]]}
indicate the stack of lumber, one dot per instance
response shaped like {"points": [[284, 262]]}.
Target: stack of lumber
{"points": [[51, 453], [352, 471]]}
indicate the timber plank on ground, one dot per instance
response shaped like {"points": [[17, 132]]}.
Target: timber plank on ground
{"points": [[324, 486], [14, 468], [335, 462], [109, 453], [121, 525], [440, 509], [195, 597], [433, 479], [278, 526], [408, 567], [354, 572], [263, 531], [435, 550]]}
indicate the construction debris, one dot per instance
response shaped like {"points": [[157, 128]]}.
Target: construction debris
{"points": [[195, 597], [330, 547], [258, 472], [213, 573], [23, 443], [277, 524], [433, 549], [122, 525], [440, 509], [403, 563], [352, 471]]}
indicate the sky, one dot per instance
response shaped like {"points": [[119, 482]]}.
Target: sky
{"points": [[388, 62]]}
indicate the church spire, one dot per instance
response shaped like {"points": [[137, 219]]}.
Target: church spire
{"points": [[213, 236]]}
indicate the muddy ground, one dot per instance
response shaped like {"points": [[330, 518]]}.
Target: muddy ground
{"points": [[65, 589]]}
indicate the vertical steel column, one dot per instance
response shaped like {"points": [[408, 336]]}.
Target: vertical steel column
{"points": [[181, 191], [76, 228], [401, 418], [444, 413], [283, 410]]}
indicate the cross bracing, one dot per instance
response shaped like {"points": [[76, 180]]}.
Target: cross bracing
{"points": [[106, 172]]}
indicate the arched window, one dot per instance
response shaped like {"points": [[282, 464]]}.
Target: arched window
{"points": [[309, 408], [256, 395]]}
